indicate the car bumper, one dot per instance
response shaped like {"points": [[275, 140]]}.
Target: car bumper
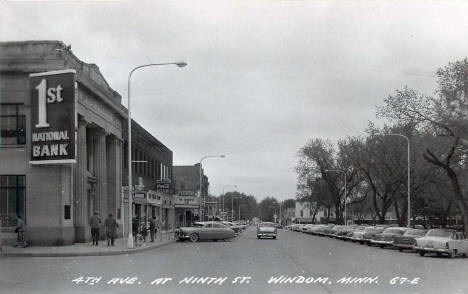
{"points": [[381, 242], [404, 246], [266, 234], [435, 250]]}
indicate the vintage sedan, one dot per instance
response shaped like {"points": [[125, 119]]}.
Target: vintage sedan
{"points": [[408, 239], [344, 232], [358, 234], [386, 237], [441, 241], [369, 235], [205, 231], [266, 229], [324, 230]]}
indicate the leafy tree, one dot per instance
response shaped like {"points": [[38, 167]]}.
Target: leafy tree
{"points": [[267, 209], [443, 119]]}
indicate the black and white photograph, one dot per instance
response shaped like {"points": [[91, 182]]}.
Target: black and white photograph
{"points": [[233, 146]]}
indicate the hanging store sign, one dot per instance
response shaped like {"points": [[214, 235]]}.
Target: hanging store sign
{"points": [[53, 117], [163, 184]]}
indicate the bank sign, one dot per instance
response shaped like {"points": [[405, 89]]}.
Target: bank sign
{"points": [[53, 117]]}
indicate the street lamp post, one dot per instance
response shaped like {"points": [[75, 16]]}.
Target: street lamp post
{"points": [[345, 190], [235, 186], [232, 206], [240, 205], [409, 175], [200, 196], [280, 219], [130, 195]]}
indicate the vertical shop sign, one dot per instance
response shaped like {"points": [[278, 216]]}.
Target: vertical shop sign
{"points": [[53, 117]]}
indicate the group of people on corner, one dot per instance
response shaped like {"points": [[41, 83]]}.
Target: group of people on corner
{"points": [[142, 230], [110, 224]]}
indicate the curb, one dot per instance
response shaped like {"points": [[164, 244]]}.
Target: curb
{"points": [[72, 254]]}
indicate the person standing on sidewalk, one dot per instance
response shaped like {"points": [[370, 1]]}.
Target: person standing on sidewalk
{"points": [[111, 229], [21, 233], [153, 229], [95, 223]]}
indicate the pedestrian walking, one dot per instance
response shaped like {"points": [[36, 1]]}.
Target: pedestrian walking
{"points": [[153, 229], [20, 230], [95, 224], [111, 229], [144, 231]]}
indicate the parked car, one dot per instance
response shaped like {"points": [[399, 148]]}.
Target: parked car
{"points": [[408, 239], [311, 228], [441, 241], [205, 231], [344, 232], [294, 227], [333, 231], [371, 233], [358, 234], [306, 227], [386, 237], [266, 229], [298, 227], [322, 231]]}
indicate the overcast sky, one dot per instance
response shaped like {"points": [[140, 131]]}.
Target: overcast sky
{"points": [[262, 78]]}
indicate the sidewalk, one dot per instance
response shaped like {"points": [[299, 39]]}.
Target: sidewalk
{"points": [[87, 249]]}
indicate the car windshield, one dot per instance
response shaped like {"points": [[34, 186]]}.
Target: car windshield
{"points": [[414, 232], [267, 225], [439, 233], [393, 231], [197, 225]]}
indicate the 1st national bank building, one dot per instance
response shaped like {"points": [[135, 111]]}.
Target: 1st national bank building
{"points": [[61, 145]]}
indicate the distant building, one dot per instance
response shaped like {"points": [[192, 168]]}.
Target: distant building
{"points": [[151, 177], [303, 209], [186, 191], [289, 215]]}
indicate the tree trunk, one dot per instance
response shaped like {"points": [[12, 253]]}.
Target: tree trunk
{"points": [[459, 195], [397, 213]]}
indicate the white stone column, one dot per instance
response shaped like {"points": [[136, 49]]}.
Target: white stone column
{"points": [[101, 172], [81, 182], [114, 175]]}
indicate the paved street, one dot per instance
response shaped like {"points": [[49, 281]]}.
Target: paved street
{"points": [[323, 262]]}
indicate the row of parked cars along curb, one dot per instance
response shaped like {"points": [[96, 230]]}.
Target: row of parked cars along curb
{"points": [[439, 241]]}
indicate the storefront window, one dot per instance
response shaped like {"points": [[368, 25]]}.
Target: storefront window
{"points": [[12, 199], [12, 124]]}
